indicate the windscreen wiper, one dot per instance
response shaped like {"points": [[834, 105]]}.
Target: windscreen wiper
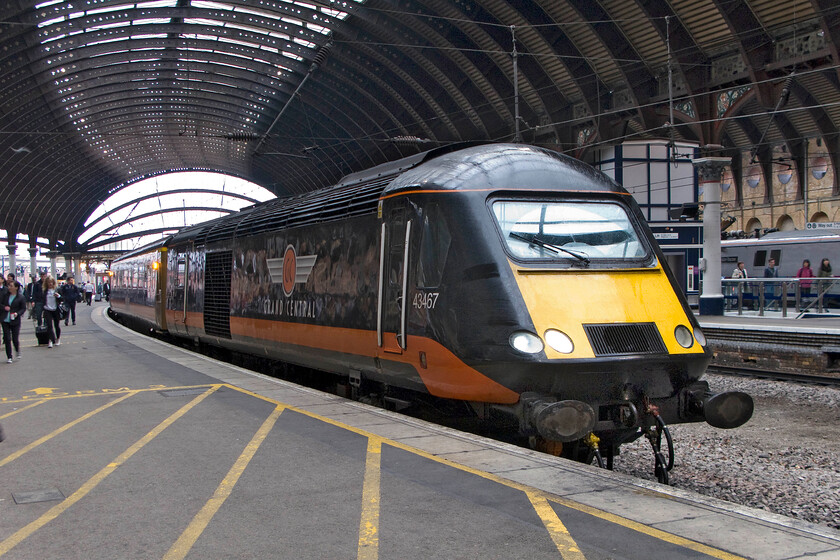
{"points": [[546, 245]]}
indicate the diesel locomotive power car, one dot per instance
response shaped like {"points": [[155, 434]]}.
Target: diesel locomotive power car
{"points": [[513, 279]]}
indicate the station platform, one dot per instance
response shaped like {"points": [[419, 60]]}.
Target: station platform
{"points": [[120, 446], [804, 345]]}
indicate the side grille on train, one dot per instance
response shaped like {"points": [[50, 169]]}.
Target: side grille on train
{"points": [[217, 293], [625, 338]]}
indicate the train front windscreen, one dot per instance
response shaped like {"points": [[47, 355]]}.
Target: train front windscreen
{"points": [[569, 231]]}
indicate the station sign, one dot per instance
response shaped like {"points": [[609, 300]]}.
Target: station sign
{"points": [[822, 225]]}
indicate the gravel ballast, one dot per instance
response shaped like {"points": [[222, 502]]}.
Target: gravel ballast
{"points": [[785, 460]]}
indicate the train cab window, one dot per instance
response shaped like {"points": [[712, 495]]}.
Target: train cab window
{"points": [[434, 248], [575, 232], [181, 268], [759, 258], [776, 254]]}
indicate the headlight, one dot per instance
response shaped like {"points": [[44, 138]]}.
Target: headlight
{"points": [[701, 338], [684, 337], [560, 341], [526, 342]]}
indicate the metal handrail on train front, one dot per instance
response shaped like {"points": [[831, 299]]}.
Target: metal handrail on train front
{"points": [[760, 293]]}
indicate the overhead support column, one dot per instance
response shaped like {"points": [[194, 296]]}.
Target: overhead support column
{"points": [[33, 261], [77, 266], [68, 265], [12, 258], [710, 172], [53, 255]]}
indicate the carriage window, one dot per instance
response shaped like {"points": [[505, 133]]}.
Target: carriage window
{"points": [[181, 267], [760, 257], [433, 249], [776, 254], [568, 231]]}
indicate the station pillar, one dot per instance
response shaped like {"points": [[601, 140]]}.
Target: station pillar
{"points": [[33, 261], [68, 265], [53, 255], [12, 258], [710, 171]]}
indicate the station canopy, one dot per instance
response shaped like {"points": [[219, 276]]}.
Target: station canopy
{"points": [[292, 95]]}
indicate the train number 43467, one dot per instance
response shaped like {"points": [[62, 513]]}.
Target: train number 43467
{"points": [[424, 300]]}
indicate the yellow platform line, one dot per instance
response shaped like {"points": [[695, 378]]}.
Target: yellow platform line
{"points": [[646, 530], [85, 489], [12, 413], [369, 524], [103, 392], [199, 523], [564, 542], [62, 429]]}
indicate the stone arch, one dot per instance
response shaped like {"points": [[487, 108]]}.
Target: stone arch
{"points": [[819, 217], [785, 223], [752, 225]]}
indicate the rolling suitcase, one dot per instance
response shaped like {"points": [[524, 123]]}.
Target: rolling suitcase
{"points": [[41, 334]]}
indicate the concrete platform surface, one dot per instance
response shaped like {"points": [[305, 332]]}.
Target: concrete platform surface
{"points": [[120, 446]]}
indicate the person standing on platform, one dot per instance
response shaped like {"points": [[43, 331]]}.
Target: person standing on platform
{"points": [[824, 272], [70, 295], [805, 272], [38, 299], [14, 306], [89, 287], [739, 273], [52, 299], [770, 272]]}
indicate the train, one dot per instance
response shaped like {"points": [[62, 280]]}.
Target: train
{"points": [[789, 249], [510, 279]]}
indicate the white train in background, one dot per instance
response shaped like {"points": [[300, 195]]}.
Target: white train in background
{"points": [[788, 248]]}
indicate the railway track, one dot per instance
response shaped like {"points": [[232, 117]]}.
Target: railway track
{"points": [[776, 375]]}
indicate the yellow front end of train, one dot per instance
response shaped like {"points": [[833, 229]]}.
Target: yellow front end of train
{"points": [[566, 300]]}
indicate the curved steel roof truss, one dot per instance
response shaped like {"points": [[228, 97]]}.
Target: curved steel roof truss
{"points": [[100, 93]]}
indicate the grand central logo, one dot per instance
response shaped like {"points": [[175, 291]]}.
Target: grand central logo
{"points": [[291, 269]]}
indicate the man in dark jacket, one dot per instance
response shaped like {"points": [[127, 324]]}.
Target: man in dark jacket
{"points": [[69, 296], [38, 298]]}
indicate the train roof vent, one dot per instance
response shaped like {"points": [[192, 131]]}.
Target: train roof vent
{"points": [[320, 206], [625, 338]]}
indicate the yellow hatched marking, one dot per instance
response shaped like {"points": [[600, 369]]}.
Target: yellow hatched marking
{"points": [[199, 523], [51, 395], [564, 542], [618, 520], [85, 489], [62, 429], [369, 524], [12, 413]]}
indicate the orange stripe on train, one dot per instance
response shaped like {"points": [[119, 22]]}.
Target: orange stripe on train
{"points": [[445, 376]]}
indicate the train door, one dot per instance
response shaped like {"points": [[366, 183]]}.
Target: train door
{"points": [[176, 300], [676, 262], [160, 296], [393, 278]]}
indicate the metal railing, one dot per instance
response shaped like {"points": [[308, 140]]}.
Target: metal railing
{"points": [[764, 294]]}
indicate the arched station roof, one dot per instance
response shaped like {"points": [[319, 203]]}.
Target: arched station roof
{"points": [[292, 95]]}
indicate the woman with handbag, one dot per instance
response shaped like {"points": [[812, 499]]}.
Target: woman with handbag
{"points": [[14, 305]]}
